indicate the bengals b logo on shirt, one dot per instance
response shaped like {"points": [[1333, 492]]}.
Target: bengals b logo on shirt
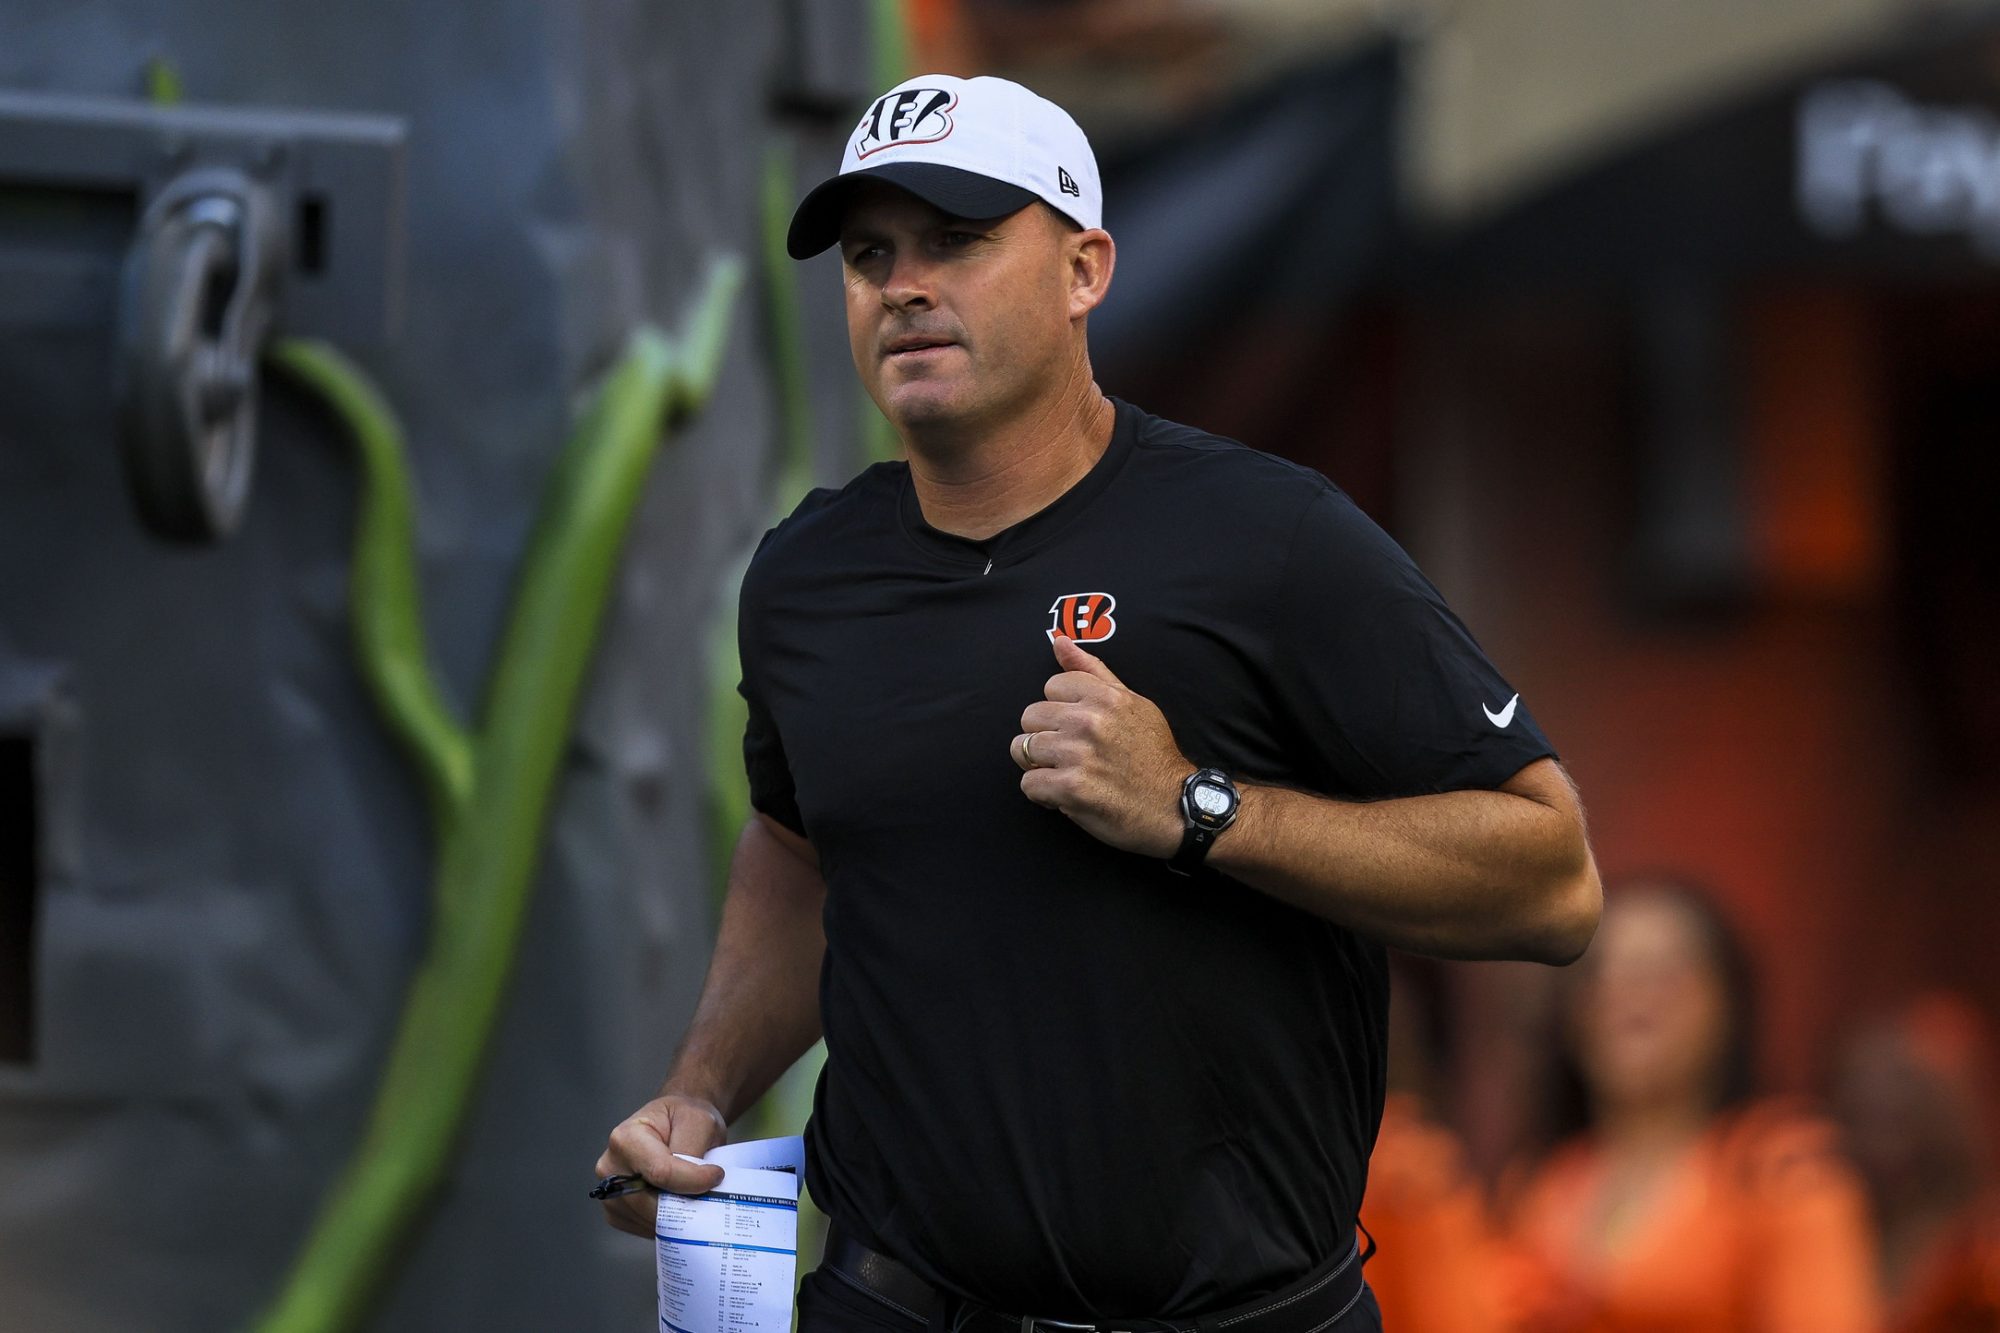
{"points": [[1083, 616]]}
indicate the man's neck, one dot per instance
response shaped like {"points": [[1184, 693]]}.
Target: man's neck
{"points": [[974, 487]]}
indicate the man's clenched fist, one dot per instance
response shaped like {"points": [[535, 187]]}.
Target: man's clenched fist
{"points": [[644, 1145], [1103, 755]]}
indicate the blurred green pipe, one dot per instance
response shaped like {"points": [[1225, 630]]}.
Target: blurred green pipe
{"points": [[889, 25], [486, 859], [728, 787], [163, 82], [727, 714], [890, 28], [787, 329], [385, 612]]}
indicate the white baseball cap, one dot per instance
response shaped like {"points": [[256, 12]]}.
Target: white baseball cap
{"points": [[976, 148]]}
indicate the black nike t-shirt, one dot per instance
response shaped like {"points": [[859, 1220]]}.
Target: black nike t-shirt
{"points": [[1061, 1079]]}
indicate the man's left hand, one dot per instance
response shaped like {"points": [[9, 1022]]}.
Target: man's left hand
{"points": [[1103, 755]]}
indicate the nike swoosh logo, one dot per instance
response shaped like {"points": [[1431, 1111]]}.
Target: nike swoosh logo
{"points": [[1503, 718]]}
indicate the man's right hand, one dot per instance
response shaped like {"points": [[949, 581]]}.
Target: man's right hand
{"points": [[644, 1145]]}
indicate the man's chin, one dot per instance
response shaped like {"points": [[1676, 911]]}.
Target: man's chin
{"points": [[916, 406]]}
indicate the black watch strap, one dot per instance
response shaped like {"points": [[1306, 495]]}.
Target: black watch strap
{"points": [[1195, 842]]}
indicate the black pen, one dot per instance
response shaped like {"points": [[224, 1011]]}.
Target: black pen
{"points": [[612, 1186]]}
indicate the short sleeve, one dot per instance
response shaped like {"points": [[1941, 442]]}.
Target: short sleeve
{"points": [[764, 762], [1379, 676]]}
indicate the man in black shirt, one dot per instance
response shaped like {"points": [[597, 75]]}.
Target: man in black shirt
{"points": [[1094, 760]]}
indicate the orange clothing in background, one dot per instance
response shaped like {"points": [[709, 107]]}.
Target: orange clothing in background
{"points": [[1958, 1290], [1762, 1229], [1434, 1264]]}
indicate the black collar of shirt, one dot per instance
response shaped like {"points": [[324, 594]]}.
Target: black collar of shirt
{"points": [[1018, 539]]}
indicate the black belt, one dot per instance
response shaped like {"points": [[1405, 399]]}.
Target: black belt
{"points": [[1310, 1305]]}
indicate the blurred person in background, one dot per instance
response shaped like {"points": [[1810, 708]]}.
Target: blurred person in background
{"points": [[1911, 1097], [1684, 1202], [1435, 1266]]}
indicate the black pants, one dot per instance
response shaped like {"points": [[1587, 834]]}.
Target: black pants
{"points": [[831, 1304]]}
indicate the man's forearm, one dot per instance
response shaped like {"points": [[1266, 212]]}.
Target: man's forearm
{"points": [[1466, 874], [759, 1008]]}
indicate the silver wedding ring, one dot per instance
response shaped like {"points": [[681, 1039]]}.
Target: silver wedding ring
{"points": [[1028, 749]]}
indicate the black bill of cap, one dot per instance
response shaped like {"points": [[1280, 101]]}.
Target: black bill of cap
{"points": [[961, 193]]}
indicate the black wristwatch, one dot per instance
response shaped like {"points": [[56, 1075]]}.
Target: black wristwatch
{"points": [[1208, 805]]}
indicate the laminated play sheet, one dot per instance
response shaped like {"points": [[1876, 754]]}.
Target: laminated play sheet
{"points": [[728, 1259]]}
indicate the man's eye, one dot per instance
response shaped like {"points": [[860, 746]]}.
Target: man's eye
{"points": [[862, 253], [960, 237]]}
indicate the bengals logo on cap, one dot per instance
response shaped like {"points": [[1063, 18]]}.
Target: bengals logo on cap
{"points": [[1083, 616], [914, 115]]}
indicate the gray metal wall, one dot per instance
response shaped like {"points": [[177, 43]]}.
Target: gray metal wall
{"points": [[236, 856]]}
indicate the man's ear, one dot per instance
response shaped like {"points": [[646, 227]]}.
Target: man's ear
{"points": [[1092, 256]]}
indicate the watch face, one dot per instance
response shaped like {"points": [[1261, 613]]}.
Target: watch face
{"points": [[1211, 800]]}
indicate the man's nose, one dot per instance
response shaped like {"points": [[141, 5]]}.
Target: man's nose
{"points": [[909, 283]]}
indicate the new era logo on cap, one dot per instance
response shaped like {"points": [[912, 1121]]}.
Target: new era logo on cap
{"points": [[975, 148]]}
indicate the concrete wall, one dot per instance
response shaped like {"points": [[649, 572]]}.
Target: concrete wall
{"points": [[235, 860]]}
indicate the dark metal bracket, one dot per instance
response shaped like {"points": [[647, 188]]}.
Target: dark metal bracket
{"points": [[200, 233]]}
